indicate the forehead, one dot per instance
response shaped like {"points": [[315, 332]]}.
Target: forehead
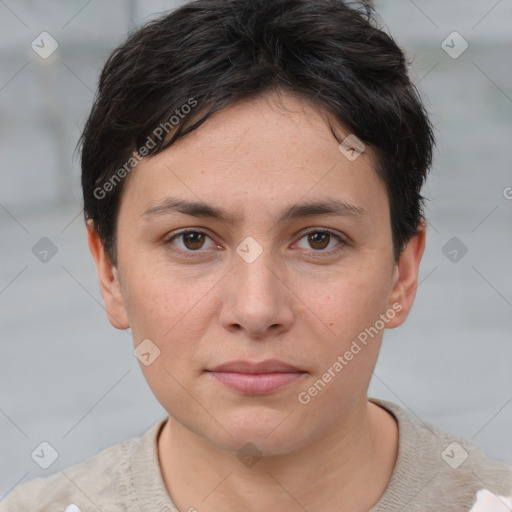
{"points": [[258, 155]]}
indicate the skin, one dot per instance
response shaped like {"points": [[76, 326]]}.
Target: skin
{"points": [[298, 301]]}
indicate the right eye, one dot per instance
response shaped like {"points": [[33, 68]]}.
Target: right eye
{"points": [[188, 241]]}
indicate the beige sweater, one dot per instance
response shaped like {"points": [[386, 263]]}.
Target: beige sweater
{"points": [[434, 472]]}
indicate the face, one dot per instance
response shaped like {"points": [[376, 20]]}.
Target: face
{"points": [[265, 302]]}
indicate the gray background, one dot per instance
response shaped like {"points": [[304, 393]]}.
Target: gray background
{"points": [[67, 377]]}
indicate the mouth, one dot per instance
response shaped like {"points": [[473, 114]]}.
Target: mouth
{"points": [[256, 378]]}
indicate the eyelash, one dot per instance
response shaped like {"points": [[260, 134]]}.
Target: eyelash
{"points": [[199, 253]]}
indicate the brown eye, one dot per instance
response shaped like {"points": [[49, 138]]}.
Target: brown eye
{"points": [[193, 240], [319, 240], [190, 241]]}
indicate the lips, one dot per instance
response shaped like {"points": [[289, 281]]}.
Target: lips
{"points": [[268, 366], [256, 378]]}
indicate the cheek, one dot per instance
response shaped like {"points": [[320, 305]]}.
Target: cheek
{"points": [[350, 304], [157, 299], [347, 354], [355, 307], [175, 314]]}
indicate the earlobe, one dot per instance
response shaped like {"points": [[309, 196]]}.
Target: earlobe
{"points": [[109, 282], [405, 278]]}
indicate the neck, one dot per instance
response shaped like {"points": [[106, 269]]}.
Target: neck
{"points": [[347, 469]]}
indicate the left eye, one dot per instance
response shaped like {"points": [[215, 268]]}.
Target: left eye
{"points": [[321, 239]]}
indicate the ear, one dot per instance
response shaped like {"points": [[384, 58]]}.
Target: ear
{"points": [[108, 276], [405, 280]]}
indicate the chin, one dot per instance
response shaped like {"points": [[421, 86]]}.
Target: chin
{"points": [[271, 431]]}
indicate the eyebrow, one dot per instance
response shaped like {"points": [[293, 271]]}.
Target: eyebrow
{"points": [[328, 206]]}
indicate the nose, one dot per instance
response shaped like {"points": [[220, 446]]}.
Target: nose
{"points": [[256, 297]]}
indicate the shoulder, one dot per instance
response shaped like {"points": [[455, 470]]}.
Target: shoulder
{"points": [[438, 471], [99, 481]]}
